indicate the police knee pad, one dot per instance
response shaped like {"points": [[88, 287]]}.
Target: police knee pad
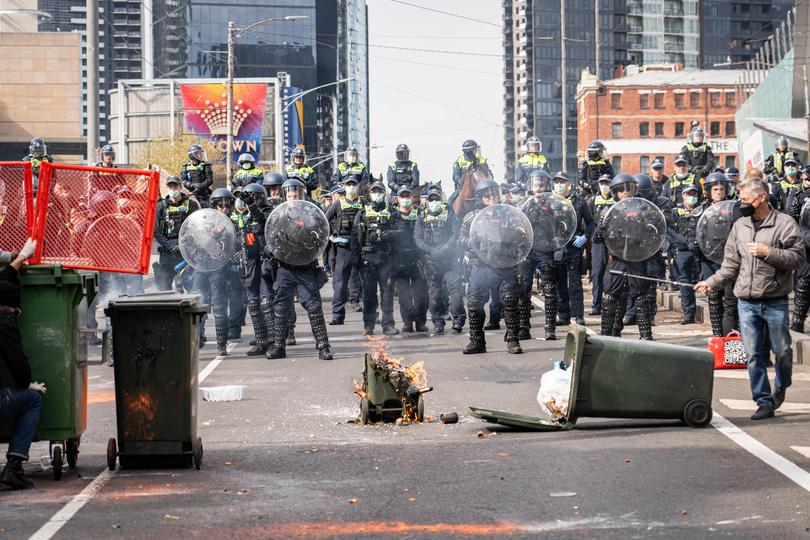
{"points": [[549, 288], [510, 300]]}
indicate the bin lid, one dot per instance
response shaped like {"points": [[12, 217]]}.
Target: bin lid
{"points": [[156, 300], [533, 423], [50, 274]]}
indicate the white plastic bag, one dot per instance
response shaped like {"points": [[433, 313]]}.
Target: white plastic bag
{"points": [[555, 387]]}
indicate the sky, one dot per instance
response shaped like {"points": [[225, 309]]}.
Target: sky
{"points": [[433, 101]]}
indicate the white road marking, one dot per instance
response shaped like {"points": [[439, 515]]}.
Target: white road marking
{"points": [[748, 405], [790, 470], [743, 374], [66, 513], [803, 450]]}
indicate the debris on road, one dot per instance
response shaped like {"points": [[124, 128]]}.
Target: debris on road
{"points": [[233, 392], [449, 418]]}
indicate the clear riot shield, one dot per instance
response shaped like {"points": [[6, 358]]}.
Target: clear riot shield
{"points": [[501, 235], [297, 232], [553, 219], [634, 229], [207, 240], [713, 229]]}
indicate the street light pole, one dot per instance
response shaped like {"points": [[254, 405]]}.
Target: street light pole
{"points": [[563, 88]]}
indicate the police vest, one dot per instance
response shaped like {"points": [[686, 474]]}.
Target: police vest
{"points": [[778, 159], [410, 216], [464, 163], [675, 183], [403, 171], [600, 204], [534, 161], [37, 161], [345, 169], [196, 172], [348, 211], [686, 220], [173, 218], [436, 227], [786, 186], [374, 222], [250, 175], [304, 172]]}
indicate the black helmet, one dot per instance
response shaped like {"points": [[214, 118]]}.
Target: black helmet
{"points": [[246, 158], [732, 172], [542, 177], [622, 183], [469, 148], [434, 191], [37, 147], [377, 186], [645, 186], [560, 175], [298, 153], [107, 150], [782, 143], [254, 193], [221, 195], [791, 159], [403, 152], [273, 179], [713, 179], [196, 152], [488, 188], [680, 158], [596, 150], [604, 178], [293, 185]]}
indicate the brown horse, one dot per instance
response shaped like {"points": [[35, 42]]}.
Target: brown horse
{"points": [[464, 201]]}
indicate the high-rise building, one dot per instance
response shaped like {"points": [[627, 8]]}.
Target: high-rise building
{"points": [[693, 33], [119, 29]]}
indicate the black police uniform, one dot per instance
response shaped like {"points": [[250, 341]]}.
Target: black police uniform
{"points": [[590, 171], [683, 240], [801, 279], [569, 278], [344, 170], [700, 158], [714, 297], [345, 277], [170, 217], [409, 273], [402, 173], [198, 177], [435, 235], [598, 206], [36, 162]]}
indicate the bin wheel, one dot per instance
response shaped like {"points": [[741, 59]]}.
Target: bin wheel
{"points": [[364, 415], [112, 453], [198, 454], [57, 462], [420, 409], [697, 413], [72, 451]]}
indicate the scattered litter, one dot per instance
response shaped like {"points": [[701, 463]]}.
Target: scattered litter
{"points": [[116, 526], [628, 460], [684, 512], [449, 418], [562, 494], [412, 499], [480, 434], [555, 388], [352, 501], [223, 393], [169, 516]]}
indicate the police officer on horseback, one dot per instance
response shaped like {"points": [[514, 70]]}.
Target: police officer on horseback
{"points": [[403, 172], [594, 168], [350, 166], [197, 175], [300, 170], [533, 160], [775, 163], [698, 154], [470, 157], [248, 172]]}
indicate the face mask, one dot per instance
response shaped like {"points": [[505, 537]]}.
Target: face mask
{"points": [[351, 191], [434, 206], [246, 166], [681, 176], [377, 197], [747, 209], [691, 201], [560, 188], [173, 194], [604, 190], [405, 203], [791, 171]]}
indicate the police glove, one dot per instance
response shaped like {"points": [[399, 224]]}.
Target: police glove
{"points": [[340, 241], [580, 241], [385, 236], [175, 249], [28, 249]]}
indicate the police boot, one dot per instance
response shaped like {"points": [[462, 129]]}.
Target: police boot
{"points": [[277, 349], [608, 314], [269, 317], [512, 318], [524, 316], [316, 320], [716, 312], [645, 317], [220, 312], [477, 344], [438, 328], [407, 328], [291, 337], [551, 306], [421, 328], [493, 325], [13, 476], [259, 328], [801, 304]]}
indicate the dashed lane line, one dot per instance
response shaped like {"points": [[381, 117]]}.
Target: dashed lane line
{"points": [[748, 405]]}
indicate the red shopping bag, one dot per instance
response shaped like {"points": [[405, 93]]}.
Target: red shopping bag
{"points": [[728, 351]]}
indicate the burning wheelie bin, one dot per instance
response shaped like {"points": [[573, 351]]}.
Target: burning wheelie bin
{"points": [[155, 353], [52, 313], [621, 378]]}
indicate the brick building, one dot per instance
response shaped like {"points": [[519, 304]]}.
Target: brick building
{"points": [[648, 113]]}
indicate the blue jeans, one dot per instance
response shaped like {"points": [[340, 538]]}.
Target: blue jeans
{"points": [[23, 407], [755, 315]]}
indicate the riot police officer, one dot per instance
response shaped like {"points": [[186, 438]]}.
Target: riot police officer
{"points": [[801, 279], [300, 170], [351, 166], [484, 277], [594, 168], [569, 278], [341, 216], [658, 177], [698, 154], [470, 157], [599, 204], [530, 162], [304, 280], [682, 238], [790, 182], [409, 266], [373, 239], [775, 163], [403, 172], [435, 235], [37, 153], [248, 172], [682, 178], [272, 185], [733, 177], [716, 188], [107, 157], [197, 175], [172, 211]]}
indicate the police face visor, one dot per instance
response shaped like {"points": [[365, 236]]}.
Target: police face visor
{"points": [[491, 195], [37, 150], [351, 156], [628, 189], [298, 160], [223, 204], [533, 147], [403, 155]]}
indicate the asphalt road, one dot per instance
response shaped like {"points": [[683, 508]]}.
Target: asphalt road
{"points": [[289, 461]]}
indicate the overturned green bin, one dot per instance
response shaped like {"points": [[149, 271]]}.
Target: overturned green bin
{"points": [[156, 359], [52, 315], [621, 378]]}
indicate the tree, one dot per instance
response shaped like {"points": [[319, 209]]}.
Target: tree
{"points": [[168, 155]]}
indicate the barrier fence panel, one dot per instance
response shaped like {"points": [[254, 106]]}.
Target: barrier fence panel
{"points": [[16, 204], [93, 218]]}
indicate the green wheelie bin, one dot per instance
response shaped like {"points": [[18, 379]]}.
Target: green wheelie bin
{"points": [[622, 378], [53, 313], [156, 359]]}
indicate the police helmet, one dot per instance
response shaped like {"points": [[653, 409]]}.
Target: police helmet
{"points": [[351, 155], [273, 179], [37, 147], [560, 175], [782, 143], [540, 181], [596, 150], [713, 179], [488, 188], [434, 191], [293, 185], [353, 178], [196, 152], [623, 183], [221, 195], [697, 136], [298, 156], [246, 158], [107, 150], [657, 164], [377, 186], [690, 187], [254, 193], [403, 152], [732, 172], [469, 148], [534, 145], [605, 178], [645, 188]]}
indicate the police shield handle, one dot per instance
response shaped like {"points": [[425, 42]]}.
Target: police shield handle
{"points": [[657, 280]]}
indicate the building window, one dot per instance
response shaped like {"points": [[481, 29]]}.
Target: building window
{"points": [[615, 101], [644, 129], [679, 101], [694, 100], [731, 99], [731, 161], [714, 100], [616, 162], [679, 129], [616, 130], [644, 101], [659, 129], [644, 163], [658, 99], [714, 129], [730, 129]]}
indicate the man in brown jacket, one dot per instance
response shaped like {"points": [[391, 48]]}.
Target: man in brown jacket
{"points": [[763, 250]]}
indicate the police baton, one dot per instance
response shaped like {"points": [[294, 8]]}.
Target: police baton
{"points": [[676, 283]]}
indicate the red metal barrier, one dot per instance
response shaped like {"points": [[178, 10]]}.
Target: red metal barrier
{"points": [[93, 218], [16, 204]]}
